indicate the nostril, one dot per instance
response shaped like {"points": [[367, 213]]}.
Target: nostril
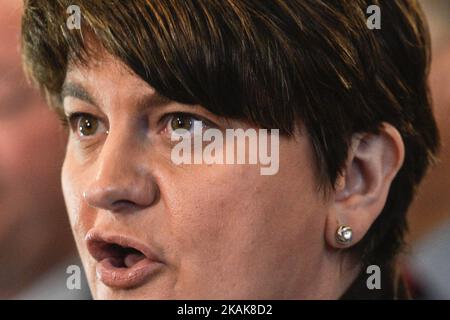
{"points": [[114, 199], [124, 195], [119, 205]]}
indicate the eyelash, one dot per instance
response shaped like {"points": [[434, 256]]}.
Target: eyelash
{"points": [[72, 116], [64, 119], [70, 120], [165, 119]]}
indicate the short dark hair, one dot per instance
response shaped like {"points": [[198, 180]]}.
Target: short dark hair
{"points": [[312, 64]]}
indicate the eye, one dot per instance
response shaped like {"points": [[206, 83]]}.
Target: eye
{"points": [[85, 125], [181, 121], [184, 121]]}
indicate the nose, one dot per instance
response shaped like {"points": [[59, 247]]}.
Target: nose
{"points": [[123, 180]]}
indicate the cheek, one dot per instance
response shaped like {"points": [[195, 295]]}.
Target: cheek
{"points": [[72, 185], [71, 180], [227, 218], [237, 204]]}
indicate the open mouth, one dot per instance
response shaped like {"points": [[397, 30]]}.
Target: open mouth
{"points": [[121, 261], [120, 257]]}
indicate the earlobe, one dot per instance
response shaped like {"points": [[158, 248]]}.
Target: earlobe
{"points": [[361, 191]]}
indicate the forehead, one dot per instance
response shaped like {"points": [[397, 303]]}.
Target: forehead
{"points": [[107, 83], [102, 71]]}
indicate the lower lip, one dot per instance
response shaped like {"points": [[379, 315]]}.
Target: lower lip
{"points": [[126, 278]]}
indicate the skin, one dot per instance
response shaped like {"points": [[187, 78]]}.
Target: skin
{"points": [[223, 231], [34, 232]]}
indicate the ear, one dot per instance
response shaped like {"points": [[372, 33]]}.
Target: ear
{"points": [[362, 189]]}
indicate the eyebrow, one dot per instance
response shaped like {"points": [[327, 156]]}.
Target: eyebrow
{"points": [[153, 100], [71, 89], [75, 90]]}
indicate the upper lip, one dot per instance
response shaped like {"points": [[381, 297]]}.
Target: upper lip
{"points": [[97, 243]]}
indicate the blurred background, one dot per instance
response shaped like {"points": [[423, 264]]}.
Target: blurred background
{"points": [[429, 216], [36, 246]]}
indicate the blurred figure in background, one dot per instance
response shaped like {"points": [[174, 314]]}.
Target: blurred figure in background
{"points": [[430, 213], [36, 243]]}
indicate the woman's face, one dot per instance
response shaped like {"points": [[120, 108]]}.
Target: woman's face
{"points": [[198, 231]]}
